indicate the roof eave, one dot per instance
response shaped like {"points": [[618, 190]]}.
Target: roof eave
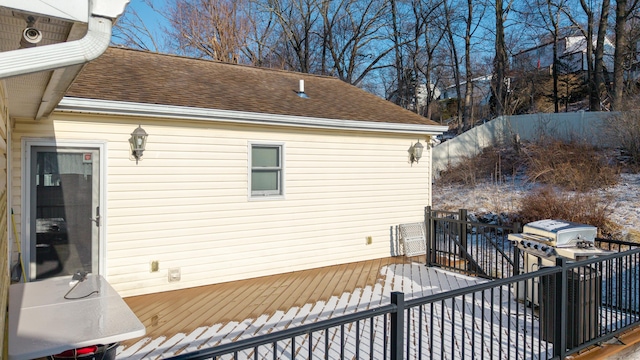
{"points": [[108, 107]]}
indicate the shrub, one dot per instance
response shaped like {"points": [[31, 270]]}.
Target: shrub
{"points": [[492, 163], [570, 165], [624, 131], [546, 203]]}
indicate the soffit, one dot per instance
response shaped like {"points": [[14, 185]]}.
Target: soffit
{"points": [[28, 96]]}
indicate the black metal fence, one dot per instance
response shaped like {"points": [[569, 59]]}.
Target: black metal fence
{"points": [[548, 314], [471, 247]]}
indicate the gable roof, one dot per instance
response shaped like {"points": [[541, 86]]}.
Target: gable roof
{"points": [[135, 76]]}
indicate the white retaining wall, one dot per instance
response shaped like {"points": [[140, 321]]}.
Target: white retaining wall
{"points": [[580, 126]]}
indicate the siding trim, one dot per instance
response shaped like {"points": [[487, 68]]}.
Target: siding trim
{"points": [[108, 107]]}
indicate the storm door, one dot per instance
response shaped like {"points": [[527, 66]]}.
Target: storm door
{"points": [[64, 211]]}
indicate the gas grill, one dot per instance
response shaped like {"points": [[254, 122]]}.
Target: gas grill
{"points": [[546, 239], [542, 242]]}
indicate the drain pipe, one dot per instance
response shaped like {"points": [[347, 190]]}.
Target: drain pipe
{"points": [[49, 57]]}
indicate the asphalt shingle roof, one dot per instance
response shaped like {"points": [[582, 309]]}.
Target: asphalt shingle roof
{"points": [[146, 77]]}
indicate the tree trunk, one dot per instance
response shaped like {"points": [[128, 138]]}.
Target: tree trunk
{"points": [[499, 62], [468, 94], [599, 80], [400, 76], [618, 57], [456, 64]]}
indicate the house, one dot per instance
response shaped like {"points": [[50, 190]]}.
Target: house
{"points": [[481, 90], [246, 172], [43, 45], [572, 55]]}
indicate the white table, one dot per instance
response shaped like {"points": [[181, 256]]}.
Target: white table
{"points": [[42, 322]]}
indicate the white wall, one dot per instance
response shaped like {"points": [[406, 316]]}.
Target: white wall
{"points": [[186, 205], [580, 126]]}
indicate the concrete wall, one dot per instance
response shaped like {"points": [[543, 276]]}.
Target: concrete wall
{"points": [[580, 126]]}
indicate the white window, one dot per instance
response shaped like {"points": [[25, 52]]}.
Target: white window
{"points": [[267, 175]]}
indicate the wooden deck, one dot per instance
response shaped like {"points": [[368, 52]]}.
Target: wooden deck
{"points": [[203, 317], [184, 311]]}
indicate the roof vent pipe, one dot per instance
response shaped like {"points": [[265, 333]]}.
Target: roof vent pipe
{"points": [[301, 90], [49, 57]]}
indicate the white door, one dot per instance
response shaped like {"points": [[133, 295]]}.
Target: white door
{"points": [[64, 211]]}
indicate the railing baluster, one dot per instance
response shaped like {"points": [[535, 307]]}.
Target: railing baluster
{"points": [[477, 334]]}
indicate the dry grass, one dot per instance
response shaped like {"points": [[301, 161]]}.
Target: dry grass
{"points": [[492, 163], [624, 130], [572, 168], [546, 203], [569, 165]]}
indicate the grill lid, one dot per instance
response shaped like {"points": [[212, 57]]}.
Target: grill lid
{"points": [[561, 233]]}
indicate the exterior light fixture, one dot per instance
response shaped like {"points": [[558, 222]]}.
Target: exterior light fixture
{"points": [[415, 152], [30, 35], [138, 141]]}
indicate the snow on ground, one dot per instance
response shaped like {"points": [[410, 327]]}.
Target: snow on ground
{"points": [[505, 197]]}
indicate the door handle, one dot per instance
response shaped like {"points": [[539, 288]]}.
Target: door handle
{"points": [[97, 218]]}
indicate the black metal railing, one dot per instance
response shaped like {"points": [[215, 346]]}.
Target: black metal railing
{"points": [[547, 314], [474, 248], [615, 245]]}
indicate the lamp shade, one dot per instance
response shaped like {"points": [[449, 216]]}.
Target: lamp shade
{"points": [[138, 142], [417, 151]]}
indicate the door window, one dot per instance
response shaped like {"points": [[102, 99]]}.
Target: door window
{"points": [[64, 203]]}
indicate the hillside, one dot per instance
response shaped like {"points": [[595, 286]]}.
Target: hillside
{"points": [[615, 200]]}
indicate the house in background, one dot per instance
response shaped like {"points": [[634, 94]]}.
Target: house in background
{"points": [[481, 90], [246, 172], [572, 54]]}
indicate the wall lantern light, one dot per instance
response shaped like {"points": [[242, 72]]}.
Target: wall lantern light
{"points": [[138, 141], [415, 152]]}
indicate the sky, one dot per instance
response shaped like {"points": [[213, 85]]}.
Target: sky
{"points": [[152, 20]]}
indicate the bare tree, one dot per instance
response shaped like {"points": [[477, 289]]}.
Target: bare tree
{"points": [[132, 31], [468, 93], [500, 60], [299, 33], [549, 14], [455, 61], [353, 27], [216, 29], [416, 33], [428, 36], [623, 10], [600, 88]]}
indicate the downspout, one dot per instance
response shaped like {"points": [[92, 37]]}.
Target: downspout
{"points": [[49, 57]]}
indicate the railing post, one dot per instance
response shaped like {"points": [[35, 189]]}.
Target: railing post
{"points": [[427, 234], [517, 228], [463, 231], [516, 260], [561, 293], [397, 326]]}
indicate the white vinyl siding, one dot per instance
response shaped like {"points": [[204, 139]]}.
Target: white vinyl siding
{"points": [[185, 204]]}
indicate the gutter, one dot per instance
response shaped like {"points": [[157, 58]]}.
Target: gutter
{"points": [[49, 57], [121, 108]]}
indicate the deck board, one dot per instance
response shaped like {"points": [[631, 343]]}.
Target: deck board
{"points": [[192, 319]]}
